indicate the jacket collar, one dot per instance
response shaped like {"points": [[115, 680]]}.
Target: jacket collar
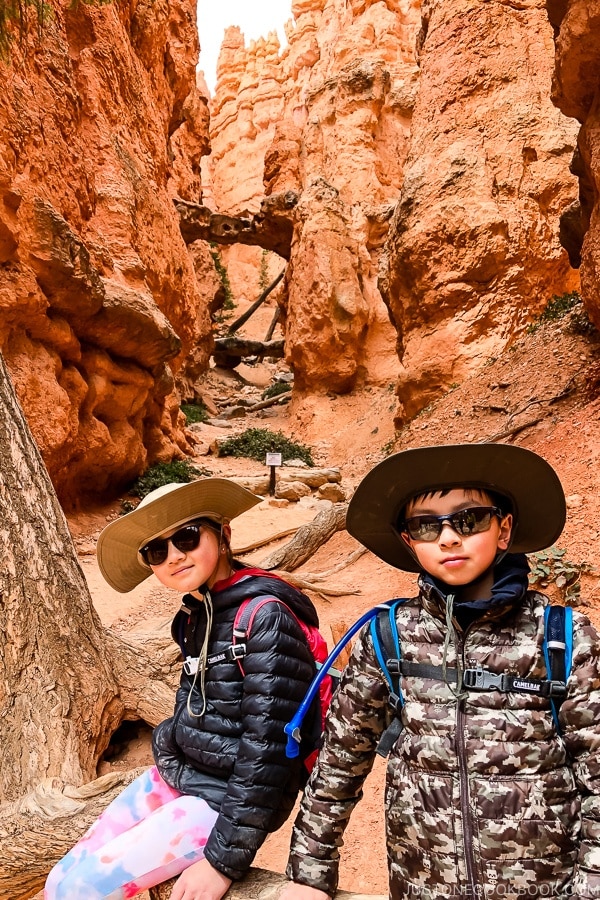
{"points": [[510, 585]]}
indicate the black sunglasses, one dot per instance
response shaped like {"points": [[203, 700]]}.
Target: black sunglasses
{"points": [[155, 552], [473, 520]]}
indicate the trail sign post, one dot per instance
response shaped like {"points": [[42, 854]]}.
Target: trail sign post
{"points": [[273, 460]]}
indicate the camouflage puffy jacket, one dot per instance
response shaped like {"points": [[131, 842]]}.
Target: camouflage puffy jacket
{"points": [[483, 797]]}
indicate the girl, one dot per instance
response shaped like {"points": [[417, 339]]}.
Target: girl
{"points": [[222, 780]]}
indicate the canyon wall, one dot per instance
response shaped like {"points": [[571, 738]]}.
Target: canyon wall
{"points": [[576, 91], [102, 125], [473, 251], [248, 103], [332, 125], [429, 126], [424, 170]]}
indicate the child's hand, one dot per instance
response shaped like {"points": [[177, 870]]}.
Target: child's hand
{"points": [[302, 892], [201, 882]]}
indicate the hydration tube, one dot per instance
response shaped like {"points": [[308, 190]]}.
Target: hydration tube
{"points": [[292, 729]]}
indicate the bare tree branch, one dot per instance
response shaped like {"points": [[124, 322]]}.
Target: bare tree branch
{"points": [[308, 539]]}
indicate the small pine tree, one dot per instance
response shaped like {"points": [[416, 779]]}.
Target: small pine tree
{"points": [[263, 272], [223, 276]]}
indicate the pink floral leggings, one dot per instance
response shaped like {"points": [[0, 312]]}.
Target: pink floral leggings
{"points": [[148, 834]]}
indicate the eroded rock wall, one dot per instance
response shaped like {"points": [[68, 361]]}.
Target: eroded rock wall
{"points": [[354, 86], [248, 103], [102, 124], [473, 251], [329, 117], [438, 113], [576, 91]]}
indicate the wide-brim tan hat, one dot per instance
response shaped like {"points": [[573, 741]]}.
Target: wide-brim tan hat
{"points": [[167, 507], [529, 482]]}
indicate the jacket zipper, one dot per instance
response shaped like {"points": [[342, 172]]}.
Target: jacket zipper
{"points": [[463, 780]]}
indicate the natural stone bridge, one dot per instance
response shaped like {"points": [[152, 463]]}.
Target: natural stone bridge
{"points": [[271, 228]]}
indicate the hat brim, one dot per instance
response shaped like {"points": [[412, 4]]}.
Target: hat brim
{"points": [[530, 483], [119, 542]]}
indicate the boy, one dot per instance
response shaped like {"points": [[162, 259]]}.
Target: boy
{"points": [[484, 796]]}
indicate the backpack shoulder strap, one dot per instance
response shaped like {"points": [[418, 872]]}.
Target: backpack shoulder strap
{"points": [[246, 612], [386, 643], [388, 650], [558, 651], [244, 619], [242, 624]]}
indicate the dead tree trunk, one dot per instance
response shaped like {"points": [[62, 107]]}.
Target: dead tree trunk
{"points": [[259, 884], [65, 683], [56, 682], [308, 539], [241, 320]]}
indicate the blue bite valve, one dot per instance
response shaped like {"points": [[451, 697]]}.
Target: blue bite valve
{"points": [[292, 729]]}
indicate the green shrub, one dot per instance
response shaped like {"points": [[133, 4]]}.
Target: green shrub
{"points": [[194, 412], [178, 470], [580, 324], [551, 567], [279, 387], [556, 308], [255, 443]]}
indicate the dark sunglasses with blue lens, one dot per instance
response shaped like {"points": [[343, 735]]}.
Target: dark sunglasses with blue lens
{"points": [[465, 522]]}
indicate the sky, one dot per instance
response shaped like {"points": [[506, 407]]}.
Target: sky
{"points": [[255, 18]]}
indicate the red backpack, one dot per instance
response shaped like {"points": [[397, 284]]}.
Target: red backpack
{"points": [[317, 645]]}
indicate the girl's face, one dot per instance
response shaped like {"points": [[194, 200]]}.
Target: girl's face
{"points": [[457, 559], [205, 564]]}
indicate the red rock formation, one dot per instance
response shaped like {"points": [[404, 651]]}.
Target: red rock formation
{"points": [[575, 92], [102, 125], [247, 105], [332, 123], [473, 250]]}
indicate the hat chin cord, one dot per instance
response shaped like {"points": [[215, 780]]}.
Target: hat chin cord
{"points": [[201, 669]]}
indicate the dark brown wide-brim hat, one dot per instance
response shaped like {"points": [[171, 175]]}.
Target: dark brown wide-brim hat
{"points": [[161, 510], [529, 482]]}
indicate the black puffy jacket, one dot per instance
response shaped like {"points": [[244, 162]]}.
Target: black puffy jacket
{"points": [[233, 756]]}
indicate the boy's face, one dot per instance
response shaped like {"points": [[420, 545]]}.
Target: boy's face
{"points": [[453, 558]]}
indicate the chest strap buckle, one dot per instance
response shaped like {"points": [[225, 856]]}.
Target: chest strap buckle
{"points": [[480, 679]]}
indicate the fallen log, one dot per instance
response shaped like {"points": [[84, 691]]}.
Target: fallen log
{"points": [[273, 325], [323, 576], [284, 397], [241, 320], [267, 539], [308, 539], [316, 587], [259, 884]]}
